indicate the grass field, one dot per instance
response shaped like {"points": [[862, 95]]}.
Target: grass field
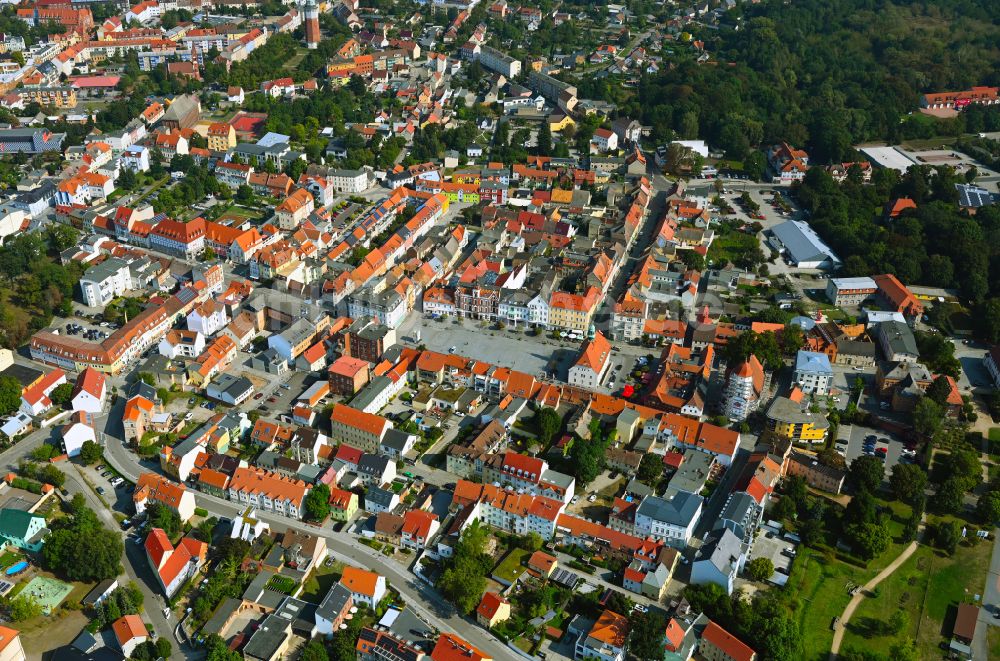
{"points": [[320, 581], [821, 581], [995, 433], [927, 587], [512, 566]]}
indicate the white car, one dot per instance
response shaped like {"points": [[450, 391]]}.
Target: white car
{"points": [[592, 498], [575, 500]]}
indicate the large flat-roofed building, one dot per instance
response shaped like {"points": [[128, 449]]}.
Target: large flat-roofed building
{"points": [[802, 246], [850, 291]]}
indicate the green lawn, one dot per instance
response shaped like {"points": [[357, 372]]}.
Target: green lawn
{"points": [[993, 641], [320, 581], [9, 558], [512, 566], [820, 582], [927, 587], [995, 433]]}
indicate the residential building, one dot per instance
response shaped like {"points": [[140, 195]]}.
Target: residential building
{"points": [[294, 209], [492, 610], [90, 392], [720, 560], [366, 587], [268, 491], [360, 429], [349, 181], [221, 137], [813, 373], [897, 342], [173, 566], [717, 644], [450, 647], [992, 363], [817, 475], [130, 632], [35, 398], [22, 530], [10, 642], [102, 283], [343, 504], [850, 291], [376, 470], [605, 640], [790, 418], [592, 364], [893, 295], [334, 609], [671, 518], [348, 375], [419, 527], [152, 488]]}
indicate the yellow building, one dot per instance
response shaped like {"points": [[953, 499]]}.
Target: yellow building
{"points": [[492, 610], [790, 418], [221, 137], [572, 311], [343, 504], [56, 97], [558, 122]]}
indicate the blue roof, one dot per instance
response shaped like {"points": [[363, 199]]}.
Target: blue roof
{"points": [[811, 361]]}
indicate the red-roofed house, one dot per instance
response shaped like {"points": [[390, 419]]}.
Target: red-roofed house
{"points": [[90, 391], [605, 640], [174, 566], [360, 429], [717, 644], [35, 399], [130, 632], [450, 647], [366, 587], [492, 610], [418, 528], [592, 364], [894, 295], [348, 375], [153, 488]]}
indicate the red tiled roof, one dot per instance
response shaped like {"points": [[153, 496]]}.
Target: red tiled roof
{"points": [[727, 643]]}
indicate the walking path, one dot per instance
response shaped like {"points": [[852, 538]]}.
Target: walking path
{"points": [[838, 635]]}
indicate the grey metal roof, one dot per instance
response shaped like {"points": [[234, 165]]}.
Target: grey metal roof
{"points": [[802, 243], [678, 509]]}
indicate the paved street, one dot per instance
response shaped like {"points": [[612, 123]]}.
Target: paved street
{"points": [[991, 601]]}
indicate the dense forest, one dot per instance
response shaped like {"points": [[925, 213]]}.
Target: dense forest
{"points": [[826, 74]]}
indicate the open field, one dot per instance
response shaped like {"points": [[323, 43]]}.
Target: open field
{"points": [[927, 587]]}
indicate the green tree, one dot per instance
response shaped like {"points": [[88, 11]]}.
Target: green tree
{"points": [[645, 640], [90, 453], [988, 507], [316, 505], [62, 394], [24, 607], [949, 496], [314, 651], [161, 516], [908, 482], [463, 580], [760, 569], [867, 473], [870, 539], [945, 535], [650, 469], [544, 147], [549, 421], [10, 395], [216, 649], [939, 390]]}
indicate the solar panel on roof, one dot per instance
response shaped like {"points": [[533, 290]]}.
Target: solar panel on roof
{"points": [[186, 295]]}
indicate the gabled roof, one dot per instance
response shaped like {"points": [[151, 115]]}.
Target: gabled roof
{"points": [[128, 628], [490, 604], [158, 546], [726, 642], [360, 581]]}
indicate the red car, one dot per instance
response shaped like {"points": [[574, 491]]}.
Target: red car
{"points": [[258, 395]]}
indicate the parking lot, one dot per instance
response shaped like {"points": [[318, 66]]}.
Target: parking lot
{"points": [[855, 435], [781, 552], [539, 355]]}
